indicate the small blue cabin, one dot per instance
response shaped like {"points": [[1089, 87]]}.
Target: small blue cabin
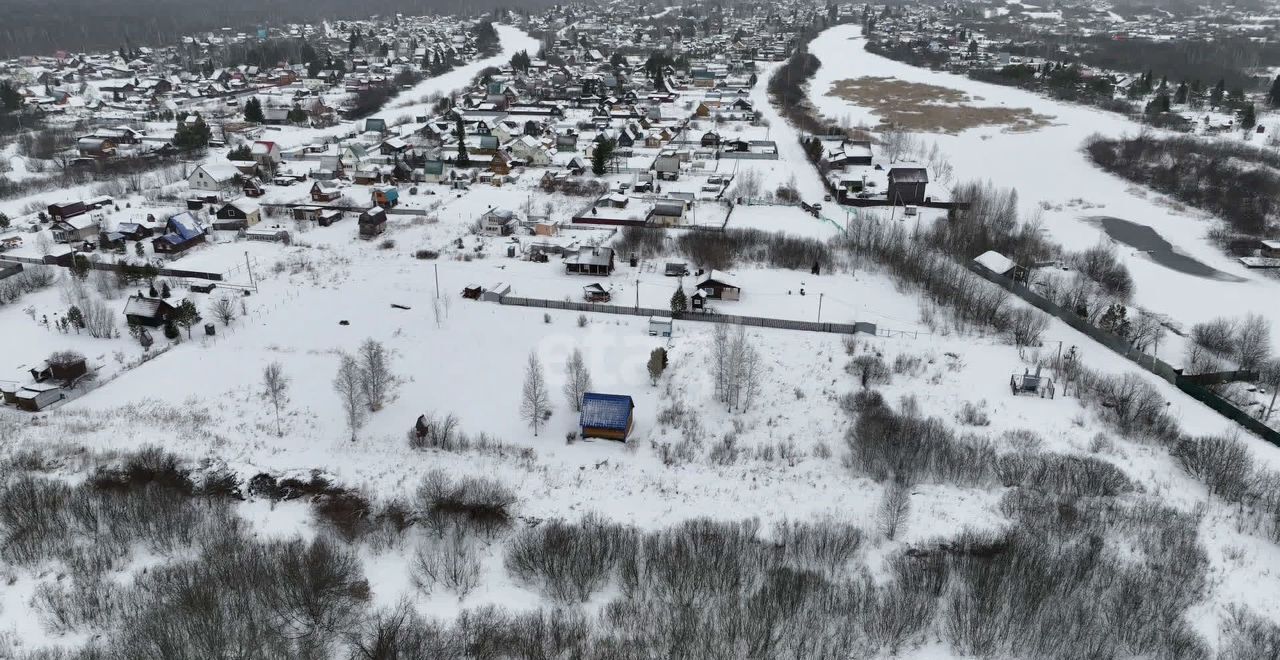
{"points": [[607, 416]]}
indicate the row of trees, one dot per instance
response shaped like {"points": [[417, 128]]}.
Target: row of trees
{"points": [[1236, 181]]}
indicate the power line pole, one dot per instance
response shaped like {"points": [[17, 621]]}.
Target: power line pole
{"points": [[820, 295], [436, 268], [637, 295]]}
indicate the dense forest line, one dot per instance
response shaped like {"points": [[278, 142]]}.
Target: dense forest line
{"points": [[36, 27]]}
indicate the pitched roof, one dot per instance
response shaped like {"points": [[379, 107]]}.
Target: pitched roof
{"points": [[609, 411], [145, 307], [185, 226], [716, 277]]}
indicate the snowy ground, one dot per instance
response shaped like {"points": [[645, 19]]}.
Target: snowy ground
{"points": [[202, 397], [1052, 175]]}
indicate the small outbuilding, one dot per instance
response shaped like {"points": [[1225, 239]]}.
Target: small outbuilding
{"points": [[660, 326], [495, 292], [594, 293], [608, 416], [37, 397]]}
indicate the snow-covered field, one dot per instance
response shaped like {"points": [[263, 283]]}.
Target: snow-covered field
{"points": [[328, 292], [1054, 177]]}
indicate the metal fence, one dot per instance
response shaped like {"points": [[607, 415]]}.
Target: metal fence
{"points": [[1190, 384], [753, 321]]}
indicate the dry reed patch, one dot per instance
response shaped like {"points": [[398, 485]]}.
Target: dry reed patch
{"points": [[924, 108]]}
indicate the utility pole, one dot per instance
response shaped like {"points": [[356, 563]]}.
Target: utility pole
{"points": [[248, 267], [820, 295], [637, 295], [436, 268]]}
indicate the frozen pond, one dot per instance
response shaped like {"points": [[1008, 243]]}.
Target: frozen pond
{"points": [[1146, 239]]}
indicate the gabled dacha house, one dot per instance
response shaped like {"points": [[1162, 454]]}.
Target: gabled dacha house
{"points": [[181, 233], [147, 312], [608, 416], [590, 261], [717, 286]]}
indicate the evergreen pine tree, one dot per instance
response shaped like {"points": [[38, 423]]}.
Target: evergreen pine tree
{"points": [[460, 131], [1248, 117], [679, 301]]}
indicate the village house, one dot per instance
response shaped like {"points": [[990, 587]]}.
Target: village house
{"points": [[266, 154], [907, 185], [718, 286], [498, 222], [181, 233], [238, 214], [213, 177], [147, 312], [325, 191], [75, 229], [373, 222], [590, 261]]}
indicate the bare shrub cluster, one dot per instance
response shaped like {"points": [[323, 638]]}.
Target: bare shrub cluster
{"points": [[30, 280], [1062, 474], [432, 431], [886, 444], [723, 250], [475, 504]]}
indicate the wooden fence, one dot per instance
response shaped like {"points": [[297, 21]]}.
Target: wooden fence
{"points": [[753, 321], [111, 266]]}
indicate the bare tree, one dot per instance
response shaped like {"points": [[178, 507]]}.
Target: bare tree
{"points": [[376, 379], [99, 318], [577, 379], [1270, 371], [735, 366], [720, 360], [275, 386], [349, 386], [895, 507], [223, 308], [1252, 341], [535, 402]]}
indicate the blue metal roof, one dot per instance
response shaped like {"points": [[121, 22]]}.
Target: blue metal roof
{"points": [[185, 226], [606, 411]]}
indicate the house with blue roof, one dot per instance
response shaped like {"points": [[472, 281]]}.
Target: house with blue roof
{"points": [[607, 416], [181, 233]]}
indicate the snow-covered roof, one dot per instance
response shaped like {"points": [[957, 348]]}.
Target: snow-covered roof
{"points": [[718, 277], [995, 262], [185, 226], [142, 306], [247, 206]]}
